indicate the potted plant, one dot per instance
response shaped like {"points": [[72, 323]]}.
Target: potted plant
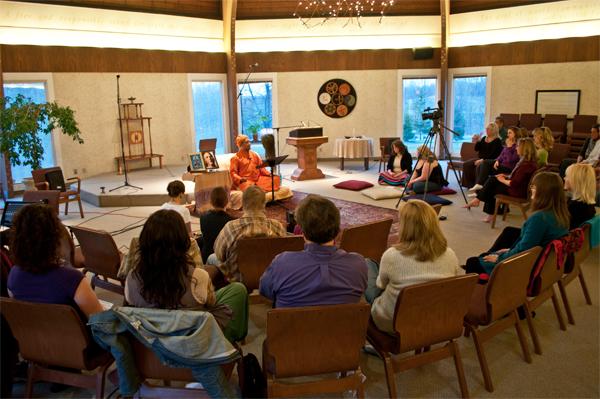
{"points": [[21, 123], [256, 127]]}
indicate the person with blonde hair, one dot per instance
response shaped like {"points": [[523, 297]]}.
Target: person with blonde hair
{"points": [[421, 254], [544, 141], [487, 147], [427, 170], [549, 221], [580, 182], [514, 184], [245, 169]]}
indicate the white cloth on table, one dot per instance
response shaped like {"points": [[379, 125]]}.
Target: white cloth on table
{"points": [[353, 148]]}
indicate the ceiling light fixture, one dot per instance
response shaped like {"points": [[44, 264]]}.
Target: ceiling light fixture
{"points": [[312, 13]]}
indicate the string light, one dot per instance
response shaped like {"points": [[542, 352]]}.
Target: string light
{"points": [[312, 13]]}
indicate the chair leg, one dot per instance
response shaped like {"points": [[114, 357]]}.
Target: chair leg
{"points": [[447, 170], [389, 375], [522, 339], [559, 316], [487, 379], [566, 304], [537, 348], [67, 207], [100, 383], [30, 379], [504, 212], [523, 211], [80, 207], [495, 214], [584, 288], [460, 372]]}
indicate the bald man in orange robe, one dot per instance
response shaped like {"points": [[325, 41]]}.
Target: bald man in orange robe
{"points": [[245, 171]]}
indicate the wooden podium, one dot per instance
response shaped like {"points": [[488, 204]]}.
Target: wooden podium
{"points": [[307, 157]]}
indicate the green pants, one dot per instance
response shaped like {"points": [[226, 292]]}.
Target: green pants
{"points": [[235, 296]]}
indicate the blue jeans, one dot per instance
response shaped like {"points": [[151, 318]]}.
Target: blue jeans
{"points": [[419, 187], [372, 290]]}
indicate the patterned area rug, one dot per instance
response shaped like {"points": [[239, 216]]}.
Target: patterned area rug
{"points": [[352, 213]]}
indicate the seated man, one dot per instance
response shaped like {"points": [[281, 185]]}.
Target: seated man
{"points": [[253, 223], [322, 274], [589, 153], [245, 168]]}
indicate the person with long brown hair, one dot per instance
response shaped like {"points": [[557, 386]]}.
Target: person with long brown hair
{"points": [[421, 255], [399, 165], [549, 221]]}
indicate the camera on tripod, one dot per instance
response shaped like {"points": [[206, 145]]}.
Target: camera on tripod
{"points": [[433, 113]]}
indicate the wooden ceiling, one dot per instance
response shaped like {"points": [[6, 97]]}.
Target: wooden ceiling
{"points": [[266, 9]]}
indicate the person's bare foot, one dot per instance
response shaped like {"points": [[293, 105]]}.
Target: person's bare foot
{"points": [[474, 203], [487, 219]]}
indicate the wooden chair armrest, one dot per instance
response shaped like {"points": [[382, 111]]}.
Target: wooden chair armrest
{"points": [[42, 186], [511, 200], [72, 180]]}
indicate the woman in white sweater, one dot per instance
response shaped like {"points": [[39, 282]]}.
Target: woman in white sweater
{"points": [[421, 255]]}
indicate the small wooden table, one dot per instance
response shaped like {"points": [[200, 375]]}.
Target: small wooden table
{"points": [[307, 157], [133, 158], [354, 148], [204, 184]]}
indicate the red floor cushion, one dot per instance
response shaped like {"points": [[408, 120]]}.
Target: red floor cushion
{"points": [[353, 185]]}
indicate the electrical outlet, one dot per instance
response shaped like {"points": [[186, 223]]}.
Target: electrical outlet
{"points": [[83, 170], [74, 171]]}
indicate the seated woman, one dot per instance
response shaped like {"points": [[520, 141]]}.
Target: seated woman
{"points": [[39, 274], [245, 168], [549, 221], [213, 221], [580, 182], [428, 172], [177, 201], [421, 255], [543, 139], [487, 147], [399, 166], [165, 276], [514, 184], [505, 163]]}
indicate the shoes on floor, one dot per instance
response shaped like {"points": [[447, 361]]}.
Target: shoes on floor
{"points": [[472, 195], [476, 187]]}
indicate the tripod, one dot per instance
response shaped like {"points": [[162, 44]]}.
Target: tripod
{"points": [[435, 129], [126, 183]]}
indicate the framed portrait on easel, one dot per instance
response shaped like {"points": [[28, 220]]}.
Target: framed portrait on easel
{"points": [[210, 160], [196, 162]]}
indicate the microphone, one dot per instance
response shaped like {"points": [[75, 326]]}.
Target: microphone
{"points": [[253, 65]]}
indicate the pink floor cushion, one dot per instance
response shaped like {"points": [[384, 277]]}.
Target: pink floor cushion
{"points": [[443, 191], [353, 185]]}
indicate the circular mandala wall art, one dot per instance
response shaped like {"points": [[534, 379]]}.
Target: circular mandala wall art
{"points": [[336, 98]]}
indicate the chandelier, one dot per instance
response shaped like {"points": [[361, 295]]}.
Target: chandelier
{"points": [[312, 13]]}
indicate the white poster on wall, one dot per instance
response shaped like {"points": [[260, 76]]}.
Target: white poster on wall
{"points": [[557, 102]]}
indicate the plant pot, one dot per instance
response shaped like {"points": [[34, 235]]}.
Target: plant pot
{"points": [[255, 137]]}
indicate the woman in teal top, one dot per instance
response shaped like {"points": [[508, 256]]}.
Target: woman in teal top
{"points": [[549, 221]]}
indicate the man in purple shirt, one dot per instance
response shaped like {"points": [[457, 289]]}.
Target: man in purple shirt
{"points": [[322, 274]]}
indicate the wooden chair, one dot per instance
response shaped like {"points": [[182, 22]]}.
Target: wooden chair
{"points": [[495, 304], [558, 153], [573, 271], [207, 144], [426, 314], [101, 257], [53, 179], [558, 124], [259, 253], [549, 276], [510, 119], [385, 148], [582, 124], [313, 340], [50, 197], [530, 121], [52, 337], [467, 151], [369, 239]]}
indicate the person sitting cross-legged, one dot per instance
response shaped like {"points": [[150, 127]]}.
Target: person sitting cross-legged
{"points": [[321, 274], [245, 168]]}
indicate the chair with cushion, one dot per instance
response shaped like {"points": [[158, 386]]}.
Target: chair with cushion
{"points": [[557, 154], [558, 124], [256, 254], [385, 148], [467, 151], [426, 314], [369, 239], [101, 257], [582, 124], [49, 197], [311, 341], [494, 305], [530, 121], [207, 145], [573, 271], [510, 119], [53, 338], [550, 274], [53, 179]]}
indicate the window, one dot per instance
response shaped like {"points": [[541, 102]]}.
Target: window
{"points": [[417, 94], [36, 91], [469, 108], [207, 99], [256, 112]]}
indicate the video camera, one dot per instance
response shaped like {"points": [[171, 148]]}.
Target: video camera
{"points": [[433, 113]]}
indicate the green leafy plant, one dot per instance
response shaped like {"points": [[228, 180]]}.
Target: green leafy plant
{"points": [[21, 123], [257, 124]]}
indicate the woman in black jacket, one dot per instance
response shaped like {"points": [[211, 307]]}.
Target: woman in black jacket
{"points": [[399, 166], [488, 147]]}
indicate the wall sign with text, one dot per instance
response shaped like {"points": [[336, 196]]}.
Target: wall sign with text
{"points": [[336, 98]]}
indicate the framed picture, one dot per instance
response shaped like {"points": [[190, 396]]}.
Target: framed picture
{"points": [[557, 102], [210, 160], [196, 162]]}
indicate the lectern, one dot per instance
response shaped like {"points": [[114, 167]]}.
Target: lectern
{"points": [[307, 157]]}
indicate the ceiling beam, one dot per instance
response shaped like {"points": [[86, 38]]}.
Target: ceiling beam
{"points": [[229, 12]]}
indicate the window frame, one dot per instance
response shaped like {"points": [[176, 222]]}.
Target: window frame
{"points": [[259, 77]]}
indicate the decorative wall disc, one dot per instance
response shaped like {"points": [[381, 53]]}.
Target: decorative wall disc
{"points": [[136, 137], [336, 98]]}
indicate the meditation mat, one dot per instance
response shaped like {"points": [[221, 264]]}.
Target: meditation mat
{"points": [[429, 198]]}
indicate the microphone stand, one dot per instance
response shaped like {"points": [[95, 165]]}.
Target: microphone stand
{"points": [[245, 81], [276, 129], [126, 184]]}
